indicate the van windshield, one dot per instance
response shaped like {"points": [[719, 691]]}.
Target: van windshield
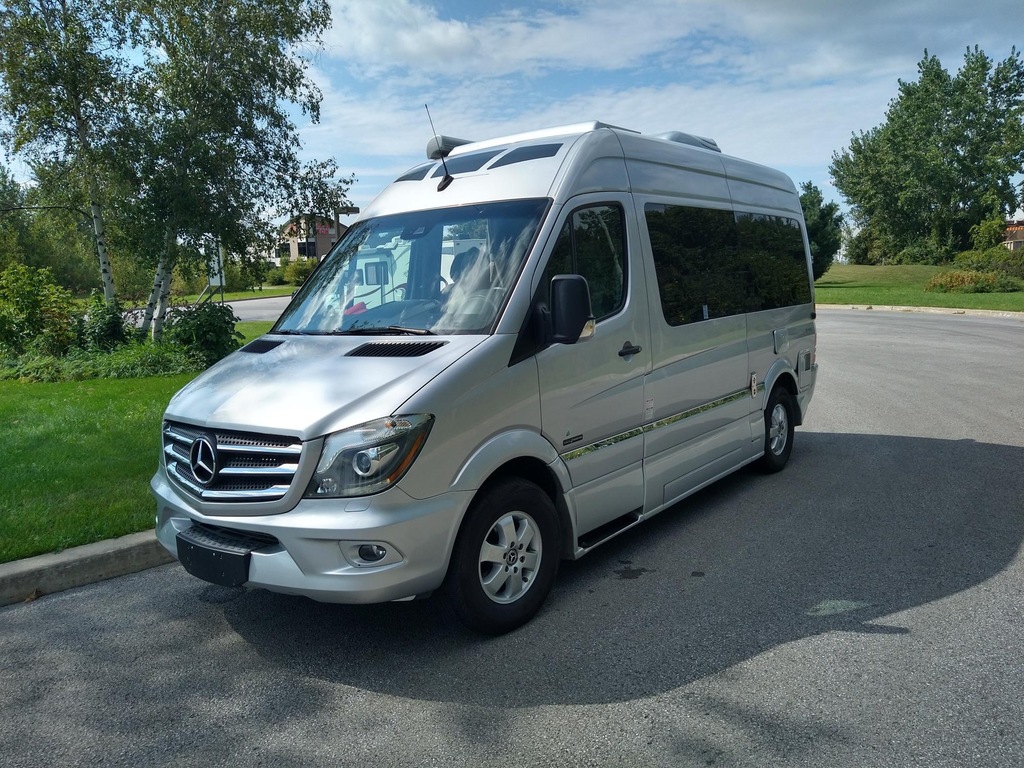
{"points": [[444, 271]]}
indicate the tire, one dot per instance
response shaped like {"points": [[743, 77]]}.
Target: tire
{"points": [[779, 420], [505, 558]]}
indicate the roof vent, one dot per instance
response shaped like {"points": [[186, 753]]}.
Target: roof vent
{"points": [[688, 138]]}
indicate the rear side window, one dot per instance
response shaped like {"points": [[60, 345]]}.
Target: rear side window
{"points": [[714, 263], [592, 243], [773, 250]]}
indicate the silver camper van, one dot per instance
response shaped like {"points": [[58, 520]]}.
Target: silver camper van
{"points": [[523, 348]]}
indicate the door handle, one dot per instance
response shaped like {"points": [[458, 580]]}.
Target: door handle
{"points": [[628, 349]]}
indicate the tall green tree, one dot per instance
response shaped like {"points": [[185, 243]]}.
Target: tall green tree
{"points": [[946, 159], [824, 227], [63, 81]]}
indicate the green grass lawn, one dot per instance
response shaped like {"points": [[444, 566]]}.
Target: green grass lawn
{"points": [[76, 460], [902, 286], [252, 329]]}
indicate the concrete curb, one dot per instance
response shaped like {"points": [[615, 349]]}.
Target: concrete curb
{"points": [[926, 310], [24, 580]]}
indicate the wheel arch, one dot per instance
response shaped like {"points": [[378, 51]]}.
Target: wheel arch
{"points": [[525, 454], [541, 475], [781, 375]]}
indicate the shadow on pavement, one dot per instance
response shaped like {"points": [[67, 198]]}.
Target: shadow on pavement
{"points": [[858, 528]]}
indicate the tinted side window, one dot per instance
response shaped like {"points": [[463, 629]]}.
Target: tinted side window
{"points": [[713, 263], [773, 249], [696, 259], [592, 243]]}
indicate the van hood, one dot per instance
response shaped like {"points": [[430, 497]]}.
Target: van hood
{"points": [[309, 386]]}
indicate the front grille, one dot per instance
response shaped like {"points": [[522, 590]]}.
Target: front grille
{"points": [[248, 467]]}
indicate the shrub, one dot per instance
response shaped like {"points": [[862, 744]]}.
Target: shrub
{"points": [[297, 271], [128, 361], [997, 259], [972, 281], [922, 253], [207, 330], [187, 283], [103, 327], [275, 276], [134, 361], [35, 313], [236, 280]]}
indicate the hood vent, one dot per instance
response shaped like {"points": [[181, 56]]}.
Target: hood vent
{"points": [[396, 348], [259, 346]]}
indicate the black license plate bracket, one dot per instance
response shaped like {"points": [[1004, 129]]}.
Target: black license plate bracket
{"points": [[226, 564]]}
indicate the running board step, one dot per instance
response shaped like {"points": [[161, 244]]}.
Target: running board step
{"points": [[609, 530]]}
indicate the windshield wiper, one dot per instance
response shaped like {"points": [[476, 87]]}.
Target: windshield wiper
{"points": [[384, 331]]}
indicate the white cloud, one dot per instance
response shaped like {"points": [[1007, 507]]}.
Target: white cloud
{"points": [[788, 39], [784, 82], [389, 35]]}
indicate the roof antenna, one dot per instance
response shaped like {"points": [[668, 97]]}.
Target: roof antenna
{"points": [[448, 179]]}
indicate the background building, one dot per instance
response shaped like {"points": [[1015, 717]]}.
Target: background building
{"points": [[309, 236], [1014, 236]]}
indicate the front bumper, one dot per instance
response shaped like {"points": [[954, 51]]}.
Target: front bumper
{"points": [[313, 550]]}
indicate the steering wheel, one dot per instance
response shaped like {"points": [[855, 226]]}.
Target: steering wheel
{"points": [[485, 302]]}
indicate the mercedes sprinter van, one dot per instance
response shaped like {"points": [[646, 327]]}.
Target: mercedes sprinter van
{"points": [[524, 347]]}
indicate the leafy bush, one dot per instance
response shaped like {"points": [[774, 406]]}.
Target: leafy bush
{"points": [[989, 232], [997, 259], [207, 330], [103, 327], [922, 253], [971, 281], [128, 361], [147, 359], [192, 279], [236, 279], [187, 283], [35, 313], [297, 271], [276, 276]]}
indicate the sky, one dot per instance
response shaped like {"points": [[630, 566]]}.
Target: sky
{"points": [[785, 83]]}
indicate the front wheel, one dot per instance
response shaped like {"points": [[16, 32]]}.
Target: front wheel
{"points": [[505, 558], [778, 430]]}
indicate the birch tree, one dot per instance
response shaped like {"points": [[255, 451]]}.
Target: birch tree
{"points": [[220, 154], [63, 91]]}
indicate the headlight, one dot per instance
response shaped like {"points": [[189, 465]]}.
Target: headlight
{"points": [[368, 458]]}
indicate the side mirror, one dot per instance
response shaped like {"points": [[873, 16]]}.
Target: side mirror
{"points": [[571, 317]]}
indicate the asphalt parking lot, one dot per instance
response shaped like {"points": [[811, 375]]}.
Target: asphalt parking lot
{"points": [[864, 607]]}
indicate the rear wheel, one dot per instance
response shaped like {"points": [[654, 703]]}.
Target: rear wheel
{"points": [[778, 430], [505, 558]]}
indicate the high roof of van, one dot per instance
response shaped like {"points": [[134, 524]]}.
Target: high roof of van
{"points": [[566, 161]]}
